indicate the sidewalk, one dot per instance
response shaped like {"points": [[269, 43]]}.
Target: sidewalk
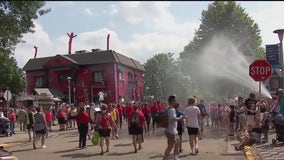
{"points": [[22, 137], [268, 151]]}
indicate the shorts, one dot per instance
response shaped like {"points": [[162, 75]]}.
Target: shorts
{"points": [[43, 132], [192, 131], [155, 117], [179, 129], [72, 117], [148, 118], [172, 138], [135, 130], [104, 132], [61, 121]]}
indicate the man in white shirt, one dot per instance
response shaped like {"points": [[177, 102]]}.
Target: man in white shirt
{"points": [[171, 131], [192, 114]]}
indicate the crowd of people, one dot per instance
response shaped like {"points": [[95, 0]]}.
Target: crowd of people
{"points": [[242, 116]]}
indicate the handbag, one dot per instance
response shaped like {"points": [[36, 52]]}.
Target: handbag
{"points": [[96, 138]]}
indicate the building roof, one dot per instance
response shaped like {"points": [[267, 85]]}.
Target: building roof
{"points": [[89, 58]]}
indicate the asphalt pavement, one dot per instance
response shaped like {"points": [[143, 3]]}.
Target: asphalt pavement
{"points": [[64, 145]]}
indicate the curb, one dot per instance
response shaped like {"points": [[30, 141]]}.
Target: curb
{"points": [[251, 153], [5, 145]]}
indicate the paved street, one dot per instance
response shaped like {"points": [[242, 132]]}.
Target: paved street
{"points": [[268, 151], [65, 146]]}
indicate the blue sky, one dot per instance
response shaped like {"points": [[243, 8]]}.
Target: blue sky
{"points": [[137, 29]]}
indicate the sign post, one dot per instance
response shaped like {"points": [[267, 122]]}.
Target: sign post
{"points": [[260, 70]]}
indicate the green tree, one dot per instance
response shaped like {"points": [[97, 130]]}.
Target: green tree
{"points": [[12, 77], [16, 18], [227, 18], [163, 77]]}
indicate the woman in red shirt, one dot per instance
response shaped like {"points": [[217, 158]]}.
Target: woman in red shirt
{"points": [[12, 118], [83, 120], [147, 114]]}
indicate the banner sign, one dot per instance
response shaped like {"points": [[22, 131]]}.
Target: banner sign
{"points": [[272, 55]]}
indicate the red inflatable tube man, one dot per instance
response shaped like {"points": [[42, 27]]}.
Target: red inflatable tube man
{"points": [[71, 36]]}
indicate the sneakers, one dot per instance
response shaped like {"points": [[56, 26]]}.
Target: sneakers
{"points": [[44, 146], [34, 146]]}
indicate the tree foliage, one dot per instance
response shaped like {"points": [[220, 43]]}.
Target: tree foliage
{"points": [[163, 77], [12, 77], [227, 18], [16, 18]]}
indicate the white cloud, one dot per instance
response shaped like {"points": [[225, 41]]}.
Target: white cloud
{"points": [[88, 11], [167, 35], [140, 47], [269, 18]]}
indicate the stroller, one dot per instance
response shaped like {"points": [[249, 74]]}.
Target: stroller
{"points": [[278, 121], [5, 127]]}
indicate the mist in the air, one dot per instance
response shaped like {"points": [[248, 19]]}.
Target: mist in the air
{"points": [[221, 60]]}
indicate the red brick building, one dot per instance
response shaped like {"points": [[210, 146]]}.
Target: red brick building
{"points": [[100, 71]]}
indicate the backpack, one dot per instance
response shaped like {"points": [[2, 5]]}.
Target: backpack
{"points": [[105, 120], [163, 119], [38, 122], [135, 120]]}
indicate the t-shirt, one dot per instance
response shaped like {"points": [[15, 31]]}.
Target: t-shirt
{"points": [[141, 118], [179, 113], [172, 125], [192, 112]]}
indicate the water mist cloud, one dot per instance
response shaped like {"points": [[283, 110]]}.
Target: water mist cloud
{"points": [[221, 59]]}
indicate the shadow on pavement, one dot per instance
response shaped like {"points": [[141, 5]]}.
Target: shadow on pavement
{"points": [[123, 145], [68, 150], [80, 155], [230, 154], [121, 154], [156, 156], [22, 150]]}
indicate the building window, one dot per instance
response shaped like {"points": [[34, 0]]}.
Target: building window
{"points": [[99, 77], [120, 75], [130, 76], [62, 78], [136, 78], [39, 81]]}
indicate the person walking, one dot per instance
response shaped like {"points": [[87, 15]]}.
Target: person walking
{"points": [[83, 120], [180, 127], [147, 114], [39, 127], [21, 119], [136, 123], [171, 130], [192, 114], [30, 123], [201, 122], [104, 123], [13, 119]]}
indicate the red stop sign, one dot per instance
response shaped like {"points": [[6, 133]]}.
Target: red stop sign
{"points": [[260, 70]]}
